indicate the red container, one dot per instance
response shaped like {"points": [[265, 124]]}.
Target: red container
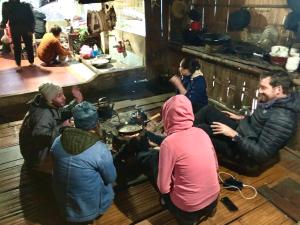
{"points": [[196, 26], [277, 60]]}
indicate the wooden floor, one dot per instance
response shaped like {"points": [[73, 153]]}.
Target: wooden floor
{"points": [[23, 199], [12, 82]]}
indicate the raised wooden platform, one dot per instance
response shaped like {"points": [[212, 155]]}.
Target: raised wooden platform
{"points": [[25, 200]]}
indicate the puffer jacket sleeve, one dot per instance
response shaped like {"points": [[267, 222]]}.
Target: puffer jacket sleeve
{"points": [[276, 132], [106, 166], [42, 123]]}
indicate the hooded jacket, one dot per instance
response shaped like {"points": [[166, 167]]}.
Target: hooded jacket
{"points": [[83, 174], [187, 160], [195, 86], [40, 127], [269, 128]]}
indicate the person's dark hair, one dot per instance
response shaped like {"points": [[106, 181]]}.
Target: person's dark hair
{"points": [[190, 63], [280, 78], [55, 30]]}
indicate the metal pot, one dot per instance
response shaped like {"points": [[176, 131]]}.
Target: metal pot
{"points": [[105, 108]]}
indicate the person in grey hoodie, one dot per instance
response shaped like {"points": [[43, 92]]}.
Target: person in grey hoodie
{"points": [[47, 114]]}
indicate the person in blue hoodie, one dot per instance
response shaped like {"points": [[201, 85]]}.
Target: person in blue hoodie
{"points": [[191, 82], [83, 170]]}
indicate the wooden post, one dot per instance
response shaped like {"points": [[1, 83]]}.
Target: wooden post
{"points": [[104, 38]]}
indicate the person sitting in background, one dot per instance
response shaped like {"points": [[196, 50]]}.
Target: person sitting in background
{"points": [[249, 144], [185, 167], [47, 114], [192, 83], [83, 170], [50, 50], [21, 23]]}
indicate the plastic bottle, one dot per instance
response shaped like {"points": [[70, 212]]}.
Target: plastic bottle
{"points": [[95, 50]]}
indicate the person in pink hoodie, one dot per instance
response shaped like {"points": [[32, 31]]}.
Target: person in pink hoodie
{"points": [[184, 171], [187, 170]]}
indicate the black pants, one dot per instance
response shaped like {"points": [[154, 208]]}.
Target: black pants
{"points": [[148, 161], [227, 150], [190, 218], [27, 38], [223, 145]]}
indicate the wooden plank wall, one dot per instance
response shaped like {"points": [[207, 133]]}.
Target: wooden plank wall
{"points": [[224, 84], [263, 13]]}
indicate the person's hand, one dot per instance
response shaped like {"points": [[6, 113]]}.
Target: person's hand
{"points": [[175, 80], [152, 144], [151, 126], [67, 123], [233, 116], [77, 94], [220, 128]]}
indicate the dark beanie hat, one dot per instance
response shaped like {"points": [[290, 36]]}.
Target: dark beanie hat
{"points": [[85, 116]]}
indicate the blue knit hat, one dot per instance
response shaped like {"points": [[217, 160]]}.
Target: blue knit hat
{"points": [[85, 116]]}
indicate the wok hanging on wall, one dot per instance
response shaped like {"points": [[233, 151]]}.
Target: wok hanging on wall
{"points": [[294, 5], [238, 20]]}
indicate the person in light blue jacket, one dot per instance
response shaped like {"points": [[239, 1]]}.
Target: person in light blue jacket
{"points": [[83, 170]]}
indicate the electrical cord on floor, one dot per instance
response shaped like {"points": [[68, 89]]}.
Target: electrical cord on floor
{"points": [[232, 183]]}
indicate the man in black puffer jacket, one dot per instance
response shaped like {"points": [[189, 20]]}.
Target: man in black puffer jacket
{"points": [[250, 143]]}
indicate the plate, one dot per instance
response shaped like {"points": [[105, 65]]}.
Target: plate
{"points": [[100, 62]]}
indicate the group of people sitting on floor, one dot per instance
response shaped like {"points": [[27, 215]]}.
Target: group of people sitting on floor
{"points": [[184, 170], [18, 16]]}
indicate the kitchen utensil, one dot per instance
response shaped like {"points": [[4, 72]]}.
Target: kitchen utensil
{"points": [[105, 108], [100, 62], [239, 19], [130, 129]]}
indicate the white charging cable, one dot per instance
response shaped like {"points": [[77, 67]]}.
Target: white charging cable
{"points": [[235, 187]]}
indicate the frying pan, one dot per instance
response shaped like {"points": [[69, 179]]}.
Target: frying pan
{"points": [[130, 129], [239, 19]]}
